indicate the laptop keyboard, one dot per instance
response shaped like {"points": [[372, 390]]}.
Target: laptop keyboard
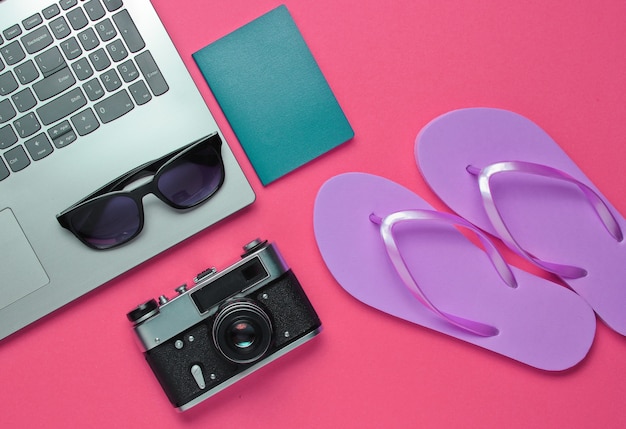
{"points": [[67, 71]]}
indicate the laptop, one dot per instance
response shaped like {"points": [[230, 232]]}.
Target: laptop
{"points": [[89, 90]]}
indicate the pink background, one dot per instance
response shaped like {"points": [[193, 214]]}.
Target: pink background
{"points": [[393, 66]]}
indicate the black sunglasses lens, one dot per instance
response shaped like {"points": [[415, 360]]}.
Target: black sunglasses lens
{"points": [[192, 178], [107, 222]]}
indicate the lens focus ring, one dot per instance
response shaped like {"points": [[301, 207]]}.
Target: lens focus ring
{"points": [[242, 331]]}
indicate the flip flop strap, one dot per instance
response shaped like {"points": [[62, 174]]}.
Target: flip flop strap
{"points": [[386, 229], [484, 176]]}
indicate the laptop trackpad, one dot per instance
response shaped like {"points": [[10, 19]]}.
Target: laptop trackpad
{"points": [[20, 270]]}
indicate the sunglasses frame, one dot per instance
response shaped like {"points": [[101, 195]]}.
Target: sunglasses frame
{"points": [[152, 168]]}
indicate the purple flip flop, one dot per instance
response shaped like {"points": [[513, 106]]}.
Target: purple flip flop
{"points": [[504, 174], [389, 249]]}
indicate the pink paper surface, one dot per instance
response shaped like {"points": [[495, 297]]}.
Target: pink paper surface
{"points": [[393, 66]]}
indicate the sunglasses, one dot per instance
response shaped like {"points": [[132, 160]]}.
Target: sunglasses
{"points": [[185, 178]]}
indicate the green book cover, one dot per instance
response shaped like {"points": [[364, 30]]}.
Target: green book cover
{"points": [[273, 94]]}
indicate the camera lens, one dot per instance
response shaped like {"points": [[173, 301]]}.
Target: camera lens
{"points": [[242, 334], [242, 331]]}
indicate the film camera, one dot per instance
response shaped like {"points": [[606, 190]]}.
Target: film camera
{"points": [[227, 326]]}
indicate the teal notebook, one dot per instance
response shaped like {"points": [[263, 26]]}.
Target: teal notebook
{"points": [[273, 94]]}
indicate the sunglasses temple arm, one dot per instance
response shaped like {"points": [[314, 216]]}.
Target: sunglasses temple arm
{"points": [[149, 168], [146, 169]]}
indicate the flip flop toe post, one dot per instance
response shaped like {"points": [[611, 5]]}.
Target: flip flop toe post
{"points": [[503, 173], [390, 250]]}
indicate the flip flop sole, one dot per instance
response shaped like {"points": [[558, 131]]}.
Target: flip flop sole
{"points": [[550, 219], [540, 323]]}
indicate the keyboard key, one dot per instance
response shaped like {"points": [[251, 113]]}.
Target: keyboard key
{"points": [[88, 39], [82, 69], [94, 9], [62, 134], [59, 129], [112, 5], [85, 122], [26, 72], [24, 100], [17, 159], [4, 171], [7, 112], [54, 84], [62, 106], [71, 48], [8, 84], [128, 71], [77, 18], [7, 137], [111, 80], [140, 92], [65, 139], [60, 28], [105, 30], [12, 53], [38, 147], [27, 125], [117, 50], [129, 31], [51, 11], [37, 40], [32, 21], [114, 106], [99, 59], [151, 73], [12, 32], [50, 61], [67, 4], [93, 89]]}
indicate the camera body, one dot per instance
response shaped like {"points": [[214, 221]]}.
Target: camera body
{"points": [[227, 326]]}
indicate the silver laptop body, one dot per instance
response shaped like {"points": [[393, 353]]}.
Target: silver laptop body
{"points": [[43, 266]]}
